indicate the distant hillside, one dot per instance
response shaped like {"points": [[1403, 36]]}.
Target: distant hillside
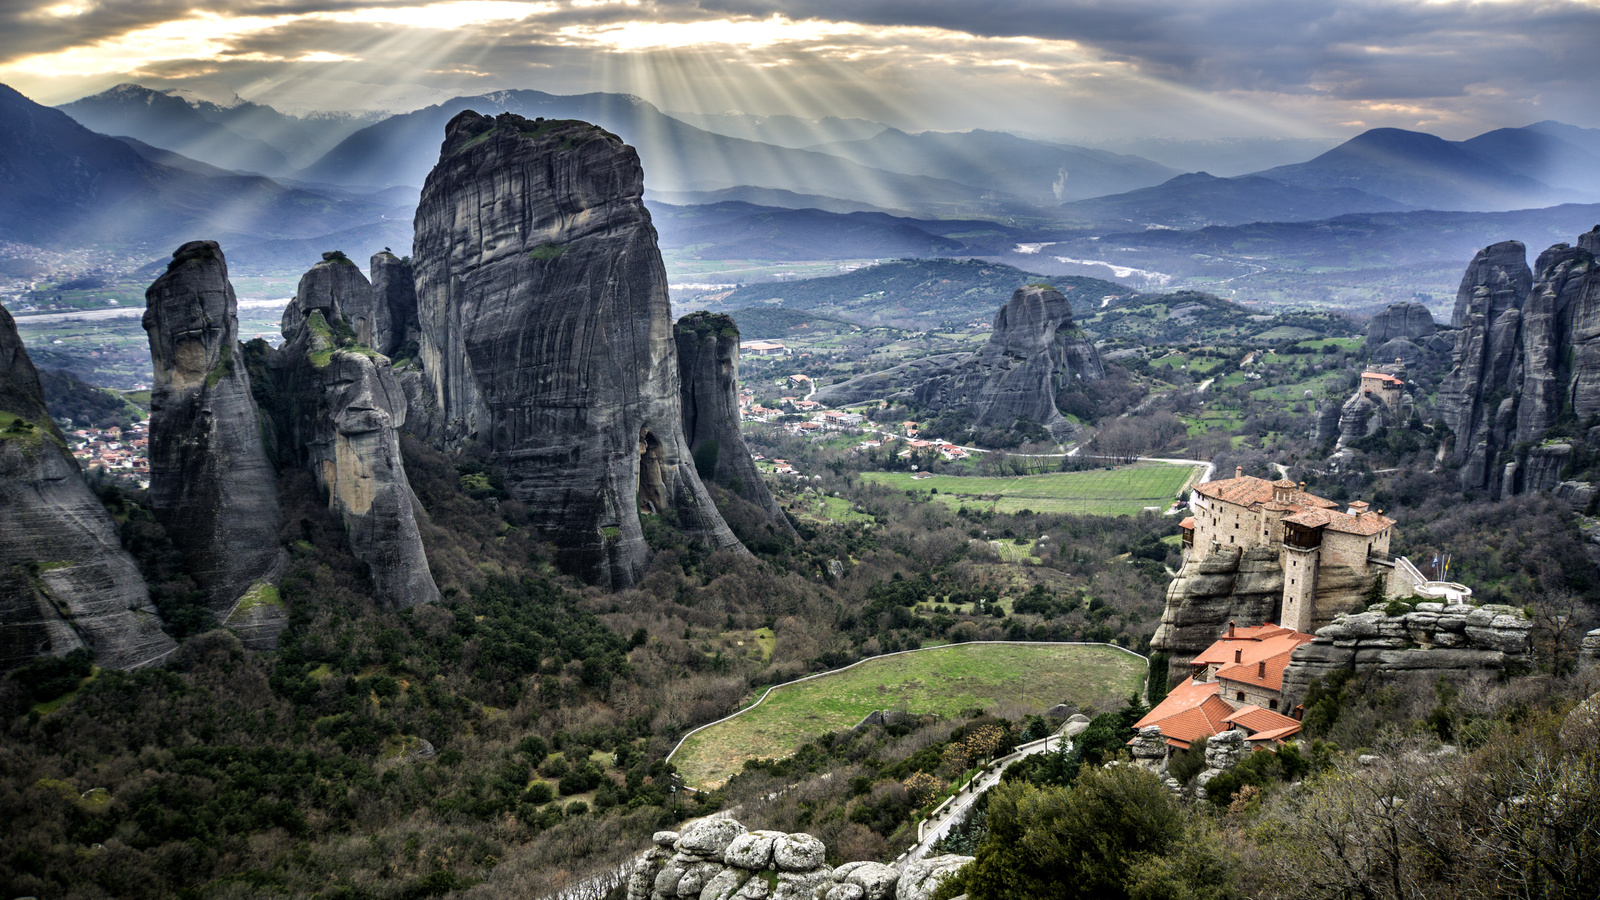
{"points": [[1199, 199], [1421, 170], [743, 231], [784, 131], [1190, 316], [1035, 171], [770, 323], [917, 293]]}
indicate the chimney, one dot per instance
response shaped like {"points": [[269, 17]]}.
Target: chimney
{"points": [[1261, 670], [1302, 487], [1238, 656], [1230, 629], [1238, 471]]}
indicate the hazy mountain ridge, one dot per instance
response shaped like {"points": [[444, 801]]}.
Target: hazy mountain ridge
{"points": [[678, 156], [1038, 172]]}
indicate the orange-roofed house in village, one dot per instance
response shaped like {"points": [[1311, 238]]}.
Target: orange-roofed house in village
{"points": [[1236, 683]]}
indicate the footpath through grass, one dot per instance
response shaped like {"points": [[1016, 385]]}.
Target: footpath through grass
{"points": [[1120, 491], [943, 681]]}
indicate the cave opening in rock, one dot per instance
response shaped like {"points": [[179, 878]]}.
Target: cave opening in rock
{"points": [[652, 472]]}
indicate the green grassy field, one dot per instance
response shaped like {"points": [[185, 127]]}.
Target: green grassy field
{"points": [[1121, 491], [944, 681]]}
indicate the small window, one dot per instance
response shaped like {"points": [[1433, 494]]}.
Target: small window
{"points": [[1272, 704], [1239, 696]]}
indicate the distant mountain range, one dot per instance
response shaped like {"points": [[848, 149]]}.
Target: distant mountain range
{"points": [[676, 156], [1199, 199], [242, 136], [1034, 171], [68, 186], [783, 131]]}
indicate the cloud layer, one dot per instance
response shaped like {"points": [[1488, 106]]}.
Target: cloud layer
{"points": [[1072, 69]]}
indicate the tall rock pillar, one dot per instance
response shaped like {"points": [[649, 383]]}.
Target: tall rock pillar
{"points": [[547, 335], [339, 409], [708, 364], [211, 483]]}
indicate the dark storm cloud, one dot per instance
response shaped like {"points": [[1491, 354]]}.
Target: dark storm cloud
{"points": [[1264, 44]]}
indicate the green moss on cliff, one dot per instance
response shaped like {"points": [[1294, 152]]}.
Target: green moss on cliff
{"points": [[547, 252]]}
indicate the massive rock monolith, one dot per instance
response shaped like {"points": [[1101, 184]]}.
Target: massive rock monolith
{"points": [[339, 409], [708, 366], [391, 327], [546, 335], [211, 483], [1527, 354], [1399, 321], [65, 581], [1033, 353]]}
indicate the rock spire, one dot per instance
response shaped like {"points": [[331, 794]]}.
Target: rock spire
{"points": [[211, 483], [708, 365], [547, 336], [1033, 353], [339, 409]]}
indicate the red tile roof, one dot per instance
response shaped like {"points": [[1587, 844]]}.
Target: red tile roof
{"points": [[1187, 523], [1248, 640], [1190, 712], [1256, 720], [1274, 652], [1248, 490]]}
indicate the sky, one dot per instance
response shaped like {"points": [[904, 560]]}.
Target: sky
{"points": [[1081, 70]]}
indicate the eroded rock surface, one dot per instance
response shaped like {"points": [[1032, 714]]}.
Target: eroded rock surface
{"points": [[1528, 352], [1399, 321], [211, 484], [1228, 585], [546, 334], [1415, 647], [708, 366], [65, 581], [1034, 352], [339, 409], [716, 859]]}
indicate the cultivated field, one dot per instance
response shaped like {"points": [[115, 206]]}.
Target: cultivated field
{"points": [[1121, 491], [942, 680]]}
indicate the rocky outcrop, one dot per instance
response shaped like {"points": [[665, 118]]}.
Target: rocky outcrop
{"points": [[708, 367], [1033, 353], [546, 335], [1228, 585], [65, 581], [211, 484], [339, 410], [1527, 354], [1415, 647], [1399, 321], [390, 325], [717, 859]]}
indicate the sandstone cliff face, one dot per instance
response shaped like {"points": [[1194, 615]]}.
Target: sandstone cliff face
{"points": [[1400, 321], [65, 581], [1228, 585], [1527, 354], [339, 410], [1033, 352], [708, 366], [1415, 648], [547, 335], [211, 484]]}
